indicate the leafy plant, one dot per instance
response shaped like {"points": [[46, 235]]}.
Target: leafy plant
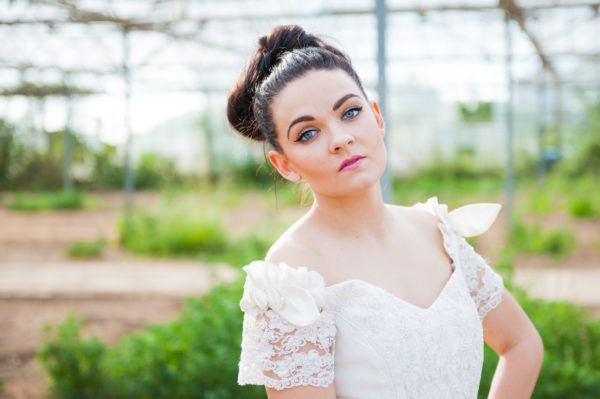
{"points": [[73, 364], [173, 231], [557, 242], [195, 356], [583, 207], [84, 249]]}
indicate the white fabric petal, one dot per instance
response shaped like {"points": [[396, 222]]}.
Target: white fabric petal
{"points": [[473, 219], [296, 294], [468, 220]]}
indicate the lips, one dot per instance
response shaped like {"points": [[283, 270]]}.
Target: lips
{"points": [[351, 163]]}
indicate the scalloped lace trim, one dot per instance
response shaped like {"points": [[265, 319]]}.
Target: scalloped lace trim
{"points": [[485, 285], [280, 355]]}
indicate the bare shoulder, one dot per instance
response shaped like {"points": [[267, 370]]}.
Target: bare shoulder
{"points": [[423, 226], [294, 249], [417, 218]]}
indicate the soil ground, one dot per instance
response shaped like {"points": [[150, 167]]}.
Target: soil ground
{"points": [[117, 293]]}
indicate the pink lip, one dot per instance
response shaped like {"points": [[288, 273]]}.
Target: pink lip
{"points": [[351, 163]]}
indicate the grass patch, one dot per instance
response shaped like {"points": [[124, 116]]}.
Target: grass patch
{"points": [[42, 201], [86, 249]]}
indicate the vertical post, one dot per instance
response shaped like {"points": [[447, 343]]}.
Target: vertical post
{"points": [[541, 125], [67, 142], [381, 12], [128, 166], [509, 175], [558, 113]]}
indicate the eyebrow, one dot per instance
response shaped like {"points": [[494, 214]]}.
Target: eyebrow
{"points": [[336, 105]]}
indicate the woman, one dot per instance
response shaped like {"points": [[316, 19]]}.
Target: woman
{"points": [[362, 299]]}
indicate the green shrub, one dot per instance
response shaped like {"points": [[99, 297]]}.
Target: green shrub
{"points": [[85, 249], [582, 207], [196, 356], [71, 199], [532, 239], [155, 171], [73, 364], [174, 231]]}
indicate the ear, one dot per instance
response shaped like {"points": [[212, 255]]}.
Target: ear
{"points": [[378, 117], [280, 163]]}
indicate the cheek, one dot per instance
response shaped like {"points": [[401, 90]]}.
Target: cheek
{"points": [[310, 160]]}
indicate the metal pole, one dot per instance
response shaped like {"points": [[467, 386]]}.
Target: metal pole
{"points": [[128, 167], [509, 175], [381, 12], [558, 113], [67, 142], [541, 118]]}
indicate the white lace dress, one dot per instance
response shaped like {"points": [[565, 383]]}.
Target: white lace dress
{"points": [[362, 338]]}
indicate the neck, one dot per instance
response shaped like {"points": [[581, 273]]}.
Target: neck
{"points": [[361, 215]]}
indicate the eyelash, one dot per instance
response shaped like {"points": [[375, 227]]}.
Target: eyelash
{"points": [[301, 135]]}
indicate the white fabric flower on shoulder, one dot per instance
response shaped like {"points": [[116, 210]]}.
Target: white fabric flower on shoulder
{"points": [[296, 294], [466, 221]]}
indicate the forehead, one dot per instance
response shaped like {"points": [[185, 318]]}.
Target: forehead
{"points": [[312, 94]]}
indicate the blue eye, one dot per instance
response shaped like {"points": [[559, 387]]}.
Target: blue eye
{"points": [[306, 135], [352, 112]]}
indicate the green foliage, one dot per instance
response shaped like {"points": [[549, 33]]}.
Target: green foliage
{"points": [[85, 249], [453, 183], [241, 251], [480, 112], [70, 199], [24, 166], [73, 364], [7, 134], [196, 232], [249, 173], [174, 231], [107, 171], [556, 243], [195, 356], [583, 207], [541, 202], [155, 171]]}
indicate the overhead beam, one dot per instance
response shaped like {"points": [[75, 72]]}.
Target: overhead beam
{"points": [[85, 16], [517, 13]]}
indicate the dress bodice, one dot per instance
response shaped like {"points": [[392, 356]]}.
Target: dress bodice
{"points": [[366, 340]]}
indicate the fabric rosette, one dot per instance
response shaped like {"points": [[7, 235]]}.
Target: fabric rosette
{"points": [[295, 293]]}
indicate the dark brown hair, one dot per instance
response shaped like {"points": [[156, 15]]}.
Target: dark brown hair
{"points": [[286, 53]]}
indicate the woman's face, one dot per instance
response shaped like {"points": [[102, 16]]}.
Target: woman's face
{"points": [[330, 136]]}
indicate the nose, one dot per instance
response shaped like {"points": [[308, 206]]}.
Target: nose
{"points": [[340, 138]]}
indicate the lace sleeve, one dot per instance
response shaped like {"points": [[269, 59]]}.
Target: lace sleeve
{"points": [[288, 336], [278, 354], [485, 285]]}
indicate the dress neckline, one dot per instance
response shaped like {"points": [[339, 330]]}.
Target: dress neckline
{"points": [[394, 296]]}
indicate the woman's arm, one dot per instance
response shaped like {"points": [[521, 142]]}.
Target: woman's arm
{"points": [[509, 332], [303, 393]]}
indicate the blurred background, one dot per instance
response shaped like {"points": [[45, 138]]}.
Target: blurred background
{"points": [[128, 205]]}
